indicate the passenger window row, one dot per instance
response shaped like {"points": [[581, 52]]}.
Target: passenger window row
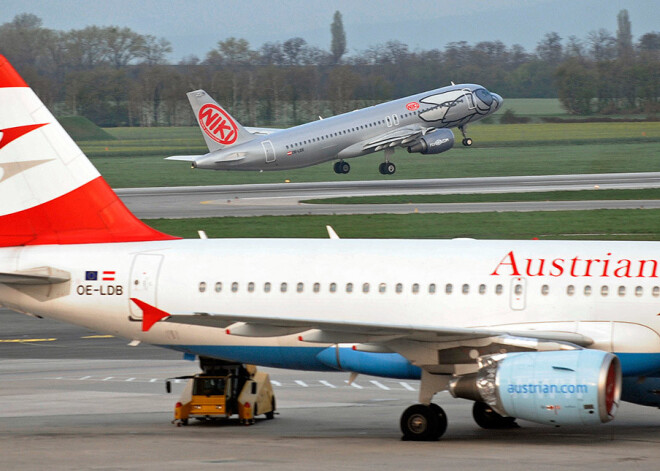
{"points": [[604, 290]]}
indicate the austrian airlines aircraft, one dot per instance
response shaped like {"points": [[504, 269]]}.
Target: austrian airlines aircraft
{"points": [[552, 332], [419, 123]]}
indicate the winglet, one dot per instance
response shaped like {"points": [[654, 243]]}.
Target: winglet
{"points": [[150, 314], [331, 232]]}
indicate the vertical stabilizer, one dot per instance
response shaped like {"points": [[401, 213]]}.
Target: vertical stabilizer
{"points": [[50, 193], [219, 128]]}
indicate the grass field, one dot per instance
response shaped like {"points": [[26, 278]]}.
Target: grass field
{"points": [[594, 194], [534, 107], [600, 224], [136, 158]]}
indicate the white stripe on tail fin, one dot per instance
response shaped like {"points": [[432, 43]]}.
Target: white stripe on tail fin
{"points": [[219, 128], [50, 193]]}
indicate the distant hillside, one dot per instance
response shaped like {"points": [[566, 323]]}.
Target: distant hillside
{"points": [[82, 129]]}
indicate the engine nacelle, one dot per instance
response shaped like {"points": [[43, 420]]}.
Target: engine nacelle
{"points": [[577, 387], [434, 142]]}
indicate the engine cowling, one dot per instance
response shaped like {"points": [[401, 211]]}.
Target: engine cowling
{"points": [[556, 388], [434, 142]]}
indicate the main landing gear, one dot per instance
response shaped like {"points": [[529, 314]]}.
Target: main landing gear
{"points": [[467, 141], [387, 167], [487, 418], [423, 422], [342, 167]]}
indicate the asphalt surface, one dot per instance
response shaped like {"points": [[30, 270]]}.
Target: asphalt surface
{"points": [[80, 400], [286, 198]]}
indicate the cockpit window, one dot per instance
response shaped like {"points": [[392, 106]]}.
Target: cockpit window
{"points": [[484, 95]]}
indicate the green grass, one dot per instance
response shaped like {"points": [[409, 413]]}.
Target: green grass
{"points": [[641, 224], [595, 194], [82, 129], [535, 107]]}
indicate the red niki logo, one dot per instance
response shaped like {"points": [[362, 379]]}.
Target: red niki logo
{"points": [[217, 124], [412, 106]]}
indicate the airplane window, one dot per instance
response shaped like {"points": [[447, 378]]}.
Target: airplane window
{"points": [[218, 287], [267, 287], [570, 290], [415, 288], [545, 289], [250, 287], [465, 289], [656, 291], [283, 287], [518, 289], [622, 290], [432, 288], [499, 289], [604, 290], [482, 289], [382, 287], [300, 287], [202, 286], [449, 288], [587, 290], [234, 287], [484, 96], [365, 287], [639, 291], [333, 287], [317, 287], [398, 288], [349, 287]]}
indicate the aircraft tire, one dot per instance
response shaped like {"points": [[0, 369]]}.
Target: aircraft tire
{"points": [[344, 167], [381, 168], [467, 141], [390, 168], [423, 423], [487, 418], [336, 167]]}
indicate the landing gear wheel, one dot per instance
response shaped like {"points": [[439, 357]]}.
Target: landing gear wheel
{"points": [[271, 415], [423, 423], [342, 167], [387, 168], [467, 142], [487, 418]]}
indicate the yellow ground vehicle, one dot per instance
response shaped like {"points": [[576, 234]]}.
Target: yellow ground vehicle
{"points": [[225, 392]]}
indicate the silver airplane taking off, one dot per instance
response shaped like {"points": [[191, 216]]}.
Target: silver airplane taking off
{"points": [[419, 123]]}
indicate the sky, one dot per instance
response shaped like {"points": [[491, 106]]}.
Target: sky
{"points": [[195, 26]]}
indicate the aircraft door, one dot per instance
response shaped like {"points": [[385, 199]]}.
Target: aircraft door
{"points": [[518, 292], [269, 151], [143, 282]]}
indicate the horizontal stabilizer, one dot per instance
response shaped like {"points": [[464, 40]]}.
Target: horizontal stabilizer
{"points": [[183, 158], [35, 276]]}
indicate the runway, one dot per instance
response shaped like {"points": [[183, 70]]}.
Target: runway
{"points": [[286, 198], [88, 401]]}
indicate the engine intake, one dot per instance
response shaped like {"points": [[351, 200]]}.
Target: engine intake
{"points": [[434, 142], [557, 388]]}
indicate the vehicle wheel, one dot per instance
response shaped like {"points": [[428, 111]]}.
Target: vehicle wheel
{"points": [[381, 169], [421, 423], [486, 417], [390, 168], [184, 421], [344, 167], [336, 167], [271, 415], [467, 141]]}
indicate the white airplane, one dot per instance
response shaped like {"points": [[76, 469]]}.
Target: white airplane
{"points": [[419, 123], [552, 332]]}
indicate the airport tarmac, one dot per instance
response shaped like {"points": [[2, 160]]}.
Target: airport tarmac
{"points": [[286, 198], [74, 399]]}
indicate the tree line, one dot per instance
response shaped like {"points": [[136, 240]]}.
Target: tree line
{"points": [[118, 77]]}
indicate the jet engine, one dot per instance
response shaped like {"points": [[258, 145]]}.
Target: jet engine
{"points": [[577, 387], [434, 142]]}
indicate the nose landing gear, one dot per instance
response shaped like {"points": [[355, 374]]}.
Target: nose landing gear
{"points": [[467, 141]]}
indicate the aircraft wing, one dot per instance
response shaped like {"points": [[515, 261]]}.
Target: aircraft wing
{"points": [[321, 330], [397, 137]]}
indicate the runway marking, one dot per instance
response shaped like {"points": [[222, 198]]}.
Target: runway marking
{"points": [[302, 383], [380, 385], [130, 379], [325, 383], [406, 385], [153, 380], [25, 340], [108, 378], [354, 384], [275, 383], [84, 378], [98, 337]]}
